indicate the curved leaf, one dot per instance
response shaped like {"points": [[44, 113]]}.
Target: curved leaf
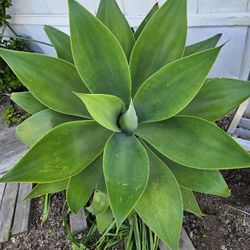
{"points": [[98, 56], [203, 45], [166, 31], [104, 220], [190, 203], [170, 89], [49, 79], [105, 109], [100, 203], [27, 102], [160, 206], [65, 151], [217, 98], [204, 181], [61, 43], [82, 185], [32, 129], [47, 188], [126, 173], [110, 15], [146, 20], [195, 143]]}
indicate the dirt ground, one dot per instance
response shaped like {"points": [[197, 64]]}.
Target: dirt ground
{"points": [[226, 225], [48, 236]]}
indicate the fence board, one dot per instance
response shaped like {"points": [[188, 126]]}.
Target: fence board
{"points": [[2, 187], [29, 6], [57, 8], [205, 6], [136, 8], [7, 210], [78, 222], [21, 219], [229, 61]]}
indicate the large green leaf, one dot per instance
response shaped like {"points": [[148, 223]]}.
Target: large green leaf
{"points": [[203, 45], [27, 102], [49, 79], [98, 56], [190, 203], [47, 188], [61, 43], [126, 172], [110, 15], [32, 129], [217, 98], [195, 143], [65, 151], [174, 86], [160, 206], [82, 185], [105, 109], [146, 20], [204, 181], [161, 41]]}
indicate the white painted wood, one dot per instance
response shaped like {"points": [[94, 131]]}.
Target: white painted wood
{"points": [[229, 61], [138, 8], [57, 8], [237, 117], [242, 133], [192, 6], [244, 143], [244, 73], [245, 123], [28, 6], [222, 5], [195, 20]]}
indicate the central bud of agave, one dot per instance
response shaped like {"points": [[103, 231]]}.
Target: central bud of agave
{"points": [[128, 121]]}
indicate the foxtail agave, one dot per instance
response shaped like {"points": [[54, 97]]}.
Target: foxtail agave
{"points": [[128, 116]]}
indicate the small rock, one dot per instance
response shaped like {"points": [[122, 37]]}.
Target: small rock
{"points": [[203, 244]]}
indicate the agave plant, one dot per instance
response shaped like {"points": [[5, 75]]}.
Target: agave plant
{"points": [[128, 116]]}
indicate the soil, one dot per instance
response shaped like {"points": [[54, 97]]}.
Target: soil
{"points": [[226, 225], [49, 235]]}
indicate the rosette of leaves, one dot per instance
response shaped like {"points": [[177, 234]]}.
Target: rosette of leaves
{"points": [[127, 116]]}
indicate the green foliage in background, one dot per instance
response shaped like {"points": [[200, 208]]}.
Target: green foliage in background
{"points": [[126, 120], [12, 116], [8, 80], [4, 4]]}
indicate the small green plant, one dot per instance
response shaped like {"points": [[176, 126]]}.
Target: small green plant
{"points": [[11, 116], [4, 4], [8, 80], [126, 121]]}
